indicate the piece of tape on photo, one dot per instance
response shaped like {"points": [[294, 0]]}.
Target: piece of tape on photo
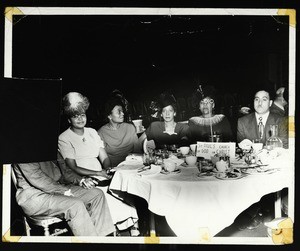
{"points": [[289, 12], [10, 11]]}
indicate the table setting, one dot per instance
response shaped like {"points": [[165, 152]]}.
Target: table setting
{"points": [[253, 161], [189, 190]]}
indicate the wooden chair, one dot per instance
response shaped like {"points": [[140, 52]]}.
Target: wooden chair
{"points": [[42, 221]]}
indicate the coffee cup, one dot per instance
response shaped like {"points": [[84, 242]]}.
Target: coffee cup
{"points": [[193, 147], [184, 150], [169, 166], [222, 166], [191, 160]]}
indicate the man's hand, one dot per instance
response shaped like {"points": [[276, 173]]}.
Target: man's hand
{"points": [[87, 183]]}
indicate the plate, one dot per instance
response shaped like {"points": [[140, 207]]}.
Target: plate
{"points": [[228, 176], [205, 174], [186, 165], [167, 172], [255, 171]]}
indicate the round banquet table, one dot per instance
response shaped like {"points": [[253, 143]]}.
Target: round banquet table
{"points": [[191, 203]]}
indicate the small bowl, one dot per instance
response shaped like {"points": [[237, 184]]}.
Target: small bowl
{"points": [[191, 160], [184, 150]]}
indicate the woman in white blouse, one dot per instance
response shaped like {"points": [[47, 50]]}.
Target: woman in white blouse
{"points": [[84, 153]]}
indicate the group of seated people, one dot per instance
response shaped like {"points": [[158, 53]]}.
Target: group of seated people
{"points": [[65, 187]]}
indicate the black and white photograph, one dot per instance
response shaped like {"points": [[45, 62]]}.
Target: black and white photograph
{"points": [[148, 125]]}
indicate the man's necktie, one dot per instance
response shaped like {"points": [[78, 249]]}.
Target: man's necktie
{"points": [[260, 128]]}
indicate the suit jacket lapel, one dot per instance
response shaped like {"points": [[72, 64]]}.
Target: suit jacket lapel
{"points": [[253, 128]]}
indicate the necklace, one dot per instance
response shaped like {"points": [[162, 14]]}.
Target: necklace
{"points": [[207, 121]]}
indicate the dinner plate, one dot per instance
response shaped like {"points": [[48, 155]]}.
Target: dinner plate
{"points": [[254, 171], [167, 172], [205, 174], [228, 176]]}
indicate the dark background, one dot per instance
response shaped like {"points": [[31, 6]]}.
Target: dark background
{"points": [[145, 55]]}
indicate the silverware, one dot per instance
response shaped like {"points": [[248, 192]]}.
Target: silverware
{"points": [[144, 168]]}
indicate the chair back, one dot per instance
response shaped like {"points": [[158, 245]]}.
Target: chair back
{"points": [[13, 176]]}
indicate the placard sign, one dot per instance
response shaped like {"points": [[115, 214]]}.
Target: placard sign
{"points": [[208, 149]]}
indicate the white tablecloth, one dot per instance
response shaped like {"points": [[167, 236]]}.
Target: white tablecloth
{"points": [[191, 203]]}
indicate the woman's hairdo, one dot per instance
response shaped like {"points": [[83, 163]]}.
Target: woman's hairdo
{"points": [[166, 99], [74, 103], [116, 99], [203, 92]]}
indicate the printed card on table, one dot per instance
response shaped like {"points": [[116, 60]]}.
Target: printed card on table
{"points": [[208, 149]]}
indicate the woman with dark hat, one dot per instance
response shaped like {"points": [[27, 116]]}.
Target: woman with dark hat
{"points": [[120, 138], [209, 126], [167, 132], [82, 148]]}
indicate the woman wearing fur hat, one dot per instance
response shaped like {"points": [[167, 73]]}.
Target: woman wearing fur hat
{"points": [[208, 124], [168, 131]]}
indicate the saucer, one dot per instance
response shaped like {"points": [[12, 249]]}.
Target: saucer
{"points": [[167, 172], [255, 171], [228, 176], [186, 165], [205, 174]]}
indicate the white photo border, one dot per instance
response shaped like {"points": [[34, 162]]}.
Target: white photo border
{"points": [[6, 213]]}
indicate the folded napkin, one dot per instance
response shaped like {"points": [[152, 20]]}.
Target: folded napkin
{"points": [[132, 159], [174, 159], [152, 171], [245, 144]]}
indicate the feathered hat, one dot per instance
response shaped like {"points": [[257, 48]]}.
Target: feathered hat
{"points": [[74, 103], [164, 99]]}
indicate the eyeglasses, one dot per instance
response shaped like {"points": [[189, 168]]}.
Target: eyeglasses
{"points": [[77, 116], [206, 101]]}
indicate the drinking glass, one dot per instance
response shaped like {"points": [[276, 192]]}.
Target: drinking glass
{"points": [[148, 159], [199, 166]]}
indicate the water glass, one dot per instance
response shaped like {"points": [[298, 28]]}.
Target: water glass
{"points": [[148, 159], [199, 166]]}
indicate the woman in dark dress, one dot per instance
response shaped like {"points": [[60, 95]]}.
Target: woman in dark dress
{"points": [[167, 131]]}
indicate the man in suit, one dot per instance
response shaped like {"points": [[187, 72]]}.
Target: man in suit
{"points": [[256, 125], [50, 188]]}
